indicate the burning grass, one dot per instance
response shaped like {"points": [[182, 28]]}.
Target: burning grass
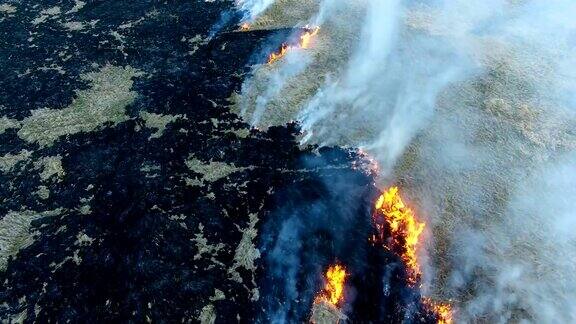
{"points": [[443, 311], [398, 230], [393, 218], [326, 305], [304, 42], [334, 289], [330, 51], [496, 116]]}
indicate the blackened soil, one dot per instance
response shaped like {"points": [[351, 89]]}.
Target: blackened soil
{"points": [[144, 214]]}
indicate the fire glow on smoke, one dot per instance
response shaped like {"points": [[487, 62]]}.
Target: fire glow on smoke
{"points": [[303, 43]]}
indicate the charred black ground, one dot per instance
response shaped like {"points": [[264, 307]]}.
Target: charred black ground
{"points": [[121, 226]]}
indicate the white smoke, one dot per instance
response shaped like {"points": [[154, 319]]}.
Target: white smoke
{"points": [[389, 89], [527, 258], [293, 64], [253, 8], [470, 104]]}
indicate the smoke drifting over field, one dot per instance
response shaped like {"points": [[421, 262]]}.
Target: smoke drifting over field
{"points": [[470, 105], [252, 8]]}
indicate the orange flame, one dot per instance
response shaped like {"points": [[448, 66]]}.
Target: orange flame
{"points": [[333, 291], [304, 43], [404, 229], [443, 311]]}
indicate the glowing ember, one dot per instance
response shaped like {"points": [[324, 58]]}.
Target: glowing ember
{"points": [[304, 42], [333, 291], [443, 311], [404, 229]]}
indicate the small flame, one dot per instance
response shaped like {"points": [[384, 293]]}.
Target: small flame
{"points": [[304, 43], [443, 311], [273, 57], [366, 163], [244, 26], [404, 228], [333, 291]]}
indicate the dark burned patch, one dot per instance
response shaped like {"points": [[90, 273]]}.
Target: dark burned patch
{"points": [[120, 230], [321, 219]]}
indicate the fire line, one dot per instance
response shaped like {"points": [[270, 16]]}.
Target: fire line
{"points": [[244, 26], [443, 311], [303, 43], [392, 218], [334, 288], [404, 229]]}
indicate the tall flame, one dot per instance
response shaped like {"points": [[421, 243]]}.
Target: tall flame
{"points": [[405, 231], [303, 42], [333, 291], [404, 228]]}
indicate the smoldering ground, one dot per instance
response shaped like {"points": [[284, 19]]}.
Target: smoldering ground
{"points": [[468, 105]]}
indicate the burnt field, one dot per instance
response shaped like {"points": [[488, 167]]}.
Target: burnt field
{"points": [[131, 193]]}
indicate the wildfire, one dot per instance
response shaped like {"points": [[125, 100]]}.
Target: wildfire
{"points": [[405, 231], [333, 291], [304, 43], [244, 26], [443, 311], [366, 163], [404, 228]]}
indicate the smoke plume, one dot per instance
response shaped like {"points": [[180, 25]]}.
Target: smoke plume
{"points": [[252, 8], [470, 106]]}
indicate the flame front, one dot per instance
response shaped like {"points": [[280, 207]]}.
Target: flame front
{"points": [[333, 291], [304, 43], [306, 38], [443, 311], [276, 56], [404, 229]]}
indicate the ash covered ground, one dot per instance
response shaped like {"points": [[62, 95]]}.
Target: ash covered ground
{"points": [[130, 192]]}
